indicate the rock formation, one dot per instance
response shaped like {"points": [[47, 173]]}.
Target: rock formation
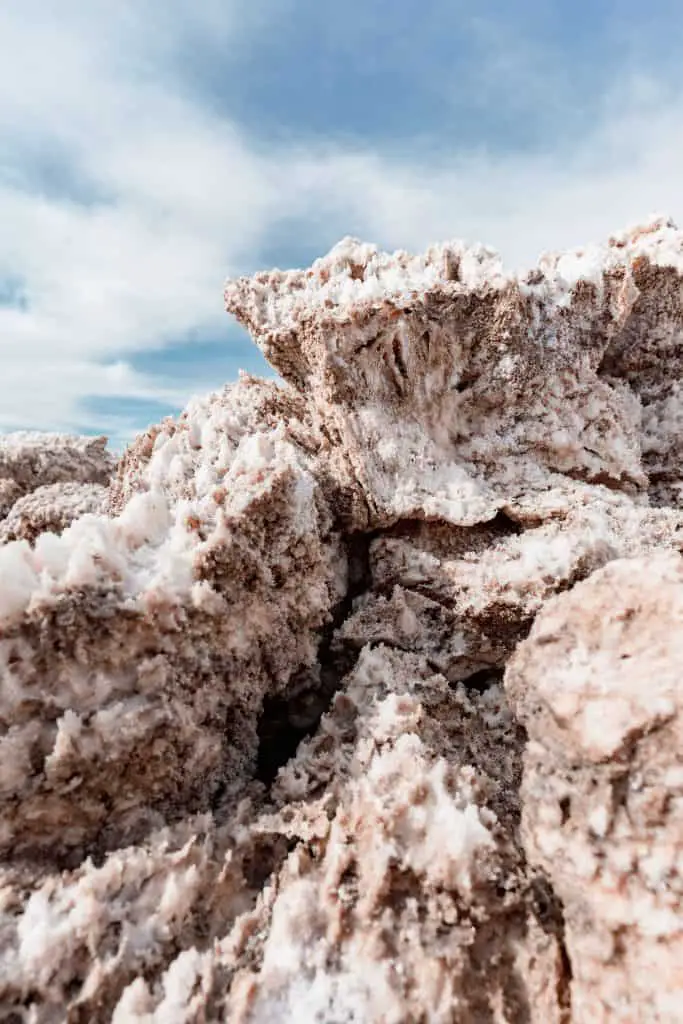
{"points": [[357, 697]]}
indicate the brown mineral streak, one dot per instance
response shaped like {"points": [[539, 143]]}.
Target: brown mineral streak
{"points": [[356, 698]]}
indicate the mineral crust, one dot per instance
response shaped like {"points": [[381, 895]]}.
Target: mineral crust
{"points": [[356, 697]]}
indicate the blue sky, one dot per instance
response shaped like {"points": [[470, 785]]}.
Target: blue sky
{"points": [[149, 150]]}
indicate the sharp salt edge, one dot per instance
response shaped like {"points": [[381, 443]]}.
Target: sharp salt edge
{"points": [[357, 697]]}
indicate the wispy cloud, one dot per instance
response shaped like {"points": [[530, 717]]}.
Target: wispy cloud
{"points": [[125, 198]]}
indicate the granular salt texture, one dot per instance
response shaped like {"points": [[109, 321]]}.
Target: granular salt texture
{"points": [[451, 448], [453, 393], [51, 508], [188, 458], [464, 597], [136, 651], [32, 460], [79, 937], [599, 686], [405, 898], [9, 492], [647, 351]]}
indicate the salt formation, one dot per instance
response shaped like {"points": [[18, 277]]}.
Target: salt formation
{"points": [[31, 461], [51, 508], [355, 698], [598, 684]]}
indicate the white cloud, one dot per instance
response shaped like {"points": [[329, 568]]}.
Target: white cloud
{"points": [[630, 165], [179, 197]]}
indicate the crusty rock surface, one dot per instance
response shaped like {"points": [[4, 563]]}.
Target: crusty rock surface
{"points": [[356, 697], [418, 905], [599, 686], [50, 509], [453, 390], [136, 651], [29, 461]]}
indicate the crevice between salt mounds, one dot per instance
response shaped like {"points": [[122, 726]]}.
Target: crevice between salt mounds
{"points": [[285, 721]]}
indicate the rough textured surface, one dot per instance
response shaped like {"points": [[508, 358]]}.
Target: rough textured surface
{"points": [[599, 686], [357, 698], [418, 905], [50, 509], [136, 651], [454, 390], [29, 461]]}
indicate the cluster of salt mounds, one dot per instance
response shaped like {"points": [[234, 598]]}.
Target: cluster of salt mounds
{"points": [[358, 698]]}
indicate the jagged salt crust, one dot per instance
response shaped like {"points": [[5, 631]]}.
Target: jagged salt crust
{"points": [[354, 698]]}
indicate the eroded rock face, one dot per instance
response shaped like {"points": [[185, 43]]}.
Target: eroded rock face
{"points": [[354, 698], [598, 685], [454, 390]]}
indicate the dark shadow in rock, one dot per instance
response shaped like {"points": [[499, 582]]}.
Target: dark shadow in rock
{"points": [[286, 720], [483, 679]]}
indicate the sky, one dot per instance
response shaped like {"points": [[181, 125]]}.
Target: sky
{"points": [[150, 150]]}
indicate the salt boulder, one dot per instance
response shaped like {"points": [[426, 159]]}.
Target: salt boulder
{"points": [[598, 685]]}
